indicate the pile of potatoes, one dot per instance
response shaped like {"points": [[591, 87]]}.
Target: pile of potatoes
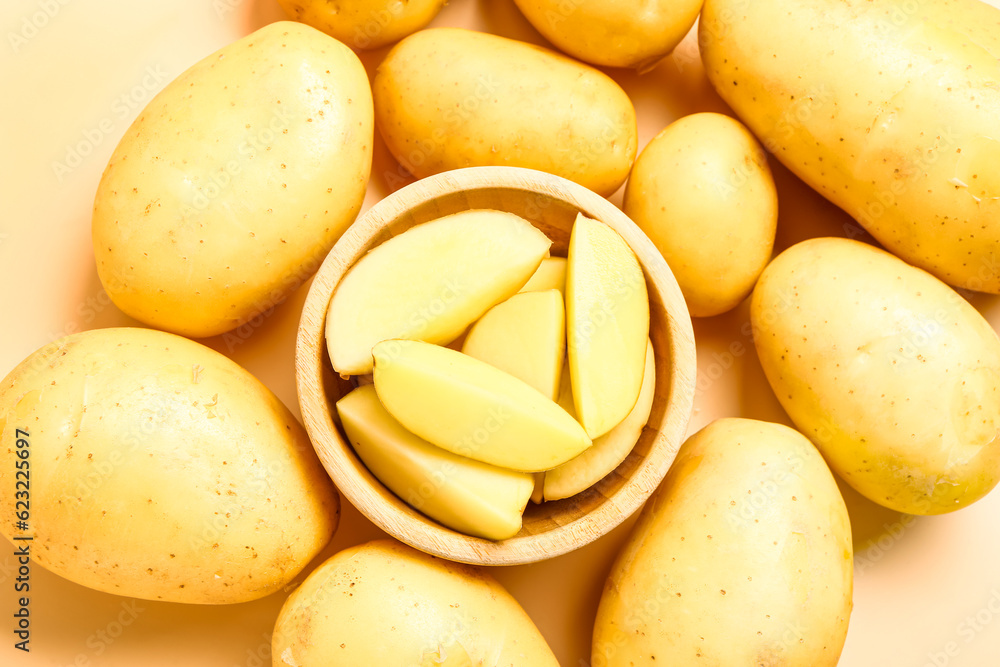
{"points": [[237, 179]]}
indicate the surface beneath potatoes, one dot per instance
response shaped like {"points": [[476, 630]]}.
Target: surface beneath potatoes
{"points": [[926, 593]]}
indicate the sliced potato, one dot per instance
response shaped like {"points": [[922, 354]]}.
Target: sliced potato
{"points": [[551, 274], [608, 450], [470, 496], [607, 324], [430, 283], [473, 409], [524, 336]]}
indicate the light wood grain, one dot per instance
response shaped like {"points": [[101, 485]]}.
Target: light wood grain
{"points": [[553, 528]]}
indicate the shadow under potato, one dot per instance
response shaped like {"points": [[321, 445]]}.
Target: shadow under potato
{"points": [[871, 522], [502, 17]]}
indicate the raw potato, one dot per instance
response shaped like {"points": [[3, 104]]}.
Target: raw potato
{"points": [[633, 33], [565, 397], [565, 401], [364, 24], [607, 324], [385, 604], [472, 409], [469, 496], [608, 450], [741, 557], [538, 493], [235, 181], [161, 470], [896, 118], [447, 98], [702, 192], [892, 374], [524, 336], [551, 274], [430, 283]]}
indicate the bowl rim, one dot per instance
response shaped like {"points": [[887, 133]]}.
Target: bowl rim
{"points": [[420, 531]]}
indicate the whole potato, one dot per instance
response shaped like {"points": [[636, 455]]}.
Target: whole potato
{"points": [[893, 375], [633, 33], [159, 469], [447, 98], [889, 108], [384, 603], [742, 557], [364, 24], [235, 181], [702, 192]]}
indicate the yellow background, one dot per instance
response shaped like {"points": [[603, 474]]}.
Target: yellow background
{"points": [[79, 80]]}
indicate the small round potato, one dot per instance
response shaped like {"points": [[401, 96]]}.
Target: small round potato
{"points": [[384, 603], [157, 468], [629, 33], [364, 24], [703, 193]]}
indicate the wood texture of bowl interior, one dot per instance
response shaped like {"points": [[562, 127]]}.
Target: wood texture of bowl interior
{"points": [[551, 204]]}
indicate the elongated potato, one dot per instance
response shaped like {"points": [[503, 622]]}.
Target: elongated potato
{"points": [[893, 375], [742, 557], [447, 98], [159, 469], [385, 604], [889, 108], [235, 181]]}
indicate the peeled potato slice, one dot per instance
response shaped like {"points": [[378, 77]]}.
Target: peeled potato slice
{"points": [[469, 496], [551, 274], [608, 450], [473, 409], [524, 336], [430, 283], [607, 324]]}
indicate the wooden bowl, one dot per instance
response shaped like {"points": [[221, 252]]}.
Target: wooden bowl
{"points": [[556, 527]]}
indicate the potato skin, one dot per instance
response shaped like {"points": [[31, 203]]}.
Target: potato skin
{"points": [[634, 33], [892, 374], [896, 118], [742, 557], [364, 24], [702, 192], [234, 182], [447, 98], [160, 469], [384, 603]]}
